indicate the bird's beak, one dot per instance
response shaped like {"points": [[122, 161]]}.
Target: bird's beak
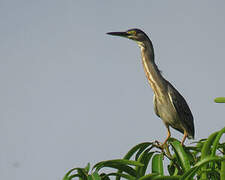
{"points": [[122, 34]]}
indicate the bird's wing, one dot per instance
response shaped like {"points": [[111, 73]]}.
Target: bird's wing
{"points": [[182, 109]]}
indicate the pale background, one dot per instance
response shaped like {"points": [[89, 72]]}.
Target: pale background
{"points": [[70, 94]]}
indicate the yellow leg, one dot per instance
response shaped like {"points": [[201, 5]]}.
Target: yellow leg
{"points": [[185, 136], [168, 135]]}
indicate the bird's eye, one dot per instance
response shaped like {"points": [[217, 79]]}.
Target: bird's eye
{"points": [[132, 32]]}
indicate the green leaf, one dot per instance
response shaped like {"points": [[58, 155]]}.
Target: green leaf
{"points": [[155, 176], [81, 173], [219, 100], [215, 145], [157, 164], [132, 151], [172, 169], [120, 164], [74, 176], [166, 178], [116, 162], [68, 173], [206, 149], [94, 176], [183, 157], [104, 176], [124, 168], [222, 171], [144, 159], [216, 141], [141, 149], [191, 172], [87, 168], [120, 175], [149, 176], [213, 174]]}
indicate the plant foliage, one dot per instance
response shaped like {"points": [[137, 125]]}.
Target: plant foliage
{"points": [[203, 160], [220, 100]]}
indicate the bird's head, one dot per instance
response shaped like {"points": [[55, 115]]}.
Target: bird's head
{"points": [[134, 34]]}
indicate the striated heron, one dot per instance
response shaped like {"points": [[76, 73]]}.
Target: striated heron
{"points": [[169, 104]]}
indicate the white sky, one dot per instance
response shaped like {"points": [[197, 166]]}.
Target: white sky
{"points": [[70, 94]]}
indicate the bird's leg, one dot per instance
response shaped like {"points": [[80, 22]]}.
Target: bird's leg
{"points": [[168, 135], [161, 146], [185, 136]]}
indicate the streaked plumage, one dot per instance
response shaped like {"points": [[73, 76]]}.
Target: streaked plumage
{"points": [[169, 104]]}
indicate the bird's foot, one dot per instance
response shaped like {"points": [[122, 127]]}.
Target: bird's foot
{"points": [[164, 148], [160, 145]]}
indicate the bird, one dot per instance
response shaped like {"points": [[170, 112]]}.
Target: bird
{"points": [[169, 105]]}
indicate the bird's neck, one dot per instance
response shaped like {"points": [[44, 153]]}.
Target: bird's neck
{"points": [[152, 72]]}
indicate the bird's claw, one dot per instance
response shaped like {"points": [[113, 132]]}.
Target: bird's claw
{"points": [[160, 145]]}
